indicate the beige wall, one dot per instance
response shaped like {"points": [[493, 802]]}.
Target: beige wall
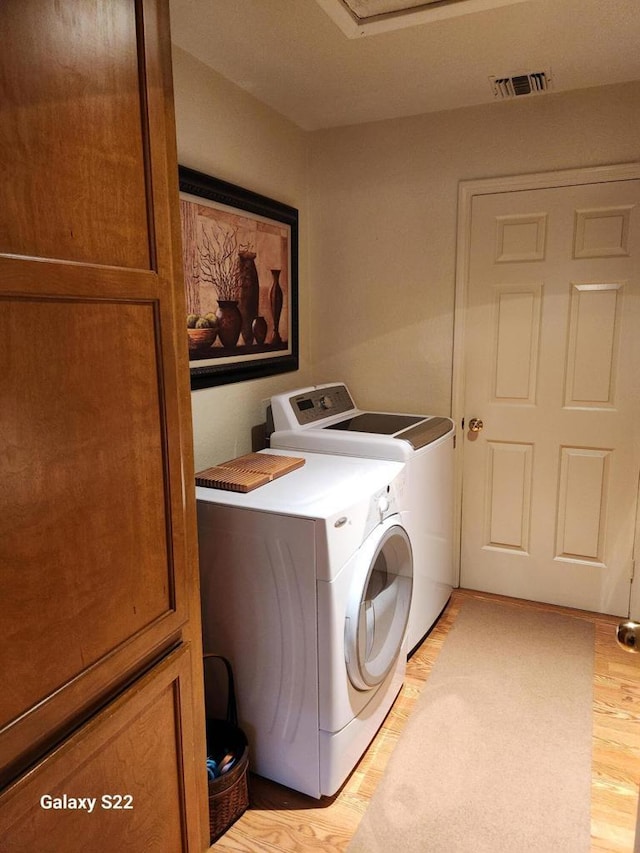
{"points": [[377, 209], [226, 133], [383, 228]]}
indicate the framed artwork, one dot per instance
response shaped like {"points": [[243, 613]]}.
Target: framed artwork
{"points": [[240, 256]]}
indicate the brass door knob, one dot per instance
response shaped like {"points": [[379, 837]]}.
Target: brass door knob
{"points": [[475, 425]]}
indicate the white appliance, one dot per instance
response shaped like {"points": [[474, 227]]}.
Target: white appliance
{"points": [[324, 419], [306, 588]]}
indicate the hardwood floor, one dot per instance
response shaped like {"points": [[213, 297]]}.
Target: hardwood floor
{"points": [[282, 820]]}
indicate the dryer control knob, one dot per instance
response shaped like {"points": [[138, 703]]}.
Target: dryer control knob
{"points": [[326, 402]]}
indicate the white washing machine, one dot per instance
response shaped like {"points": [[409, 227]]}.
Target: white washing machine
{"points": [[306, 588], [324, 419]]}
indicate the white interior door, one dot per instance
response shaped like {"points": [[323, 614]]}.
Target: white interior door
{"points": [[551, 368]]}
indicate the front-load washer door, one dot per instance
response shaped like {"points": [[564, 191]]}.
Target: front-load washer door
{"points": [[378, 605]]}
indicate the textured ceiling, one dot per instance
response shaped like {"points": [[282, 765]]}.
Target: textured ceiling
{"points": [[293, 57]]}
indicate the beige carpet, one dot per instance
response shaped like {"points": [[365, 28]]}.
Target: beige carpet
{"points": [[496, 755]]}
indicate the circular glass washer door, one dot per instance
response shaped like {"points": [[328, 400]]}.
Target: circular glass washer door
{"points": [[378, 605]]}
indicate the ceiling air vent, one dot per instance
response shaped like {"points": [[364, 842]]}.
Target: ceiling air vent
{"points": [[531, 83]]}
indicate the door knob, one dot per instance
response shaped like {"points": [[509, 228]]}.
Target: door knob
{"points": [[475, 425]]}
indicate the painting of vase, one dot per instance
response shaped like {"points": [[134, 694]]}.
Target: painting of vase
{"points": [[240, 270]]}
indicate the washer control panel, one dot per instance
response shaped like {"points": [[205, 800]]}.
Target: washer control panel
{"points": [[310, 406]]}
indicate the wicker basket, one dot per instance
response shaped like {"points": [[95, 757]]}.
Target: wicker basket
{"points": [[229, 793]]}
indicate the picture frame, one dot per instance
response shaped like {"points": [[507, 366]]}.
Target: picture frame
{"points": [[237, 247]]}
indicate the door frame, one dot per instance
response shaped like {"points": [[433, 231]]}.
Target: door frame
{"points": [[467, 191]]}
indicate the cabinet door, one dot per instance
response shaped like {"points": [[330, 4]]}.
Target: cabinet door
{"points": [[97, 516], [114, 785]]}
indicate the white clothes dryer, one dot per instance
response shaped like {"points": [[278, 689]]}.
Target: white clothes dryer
{"points": [[306, 588], [324, 419]]}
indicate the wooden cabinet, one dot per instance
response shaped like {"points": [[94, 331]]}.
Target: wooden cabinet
{"points": [[116, 783], [98, 575]]}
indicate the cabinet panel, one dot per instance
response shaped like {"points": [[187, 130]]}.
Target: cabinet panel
{"points": [[72, 143], [85, 515], [134, 749], [78, 515]]}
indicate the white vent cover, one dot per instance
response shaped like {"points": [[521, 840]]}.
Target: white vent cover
{"points": [[516, 85]]}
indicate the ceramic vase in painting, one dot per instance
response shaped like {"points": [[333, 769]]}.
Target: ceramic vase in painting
{"points": [[275, 300], [249, 292], [229, 322], [259, 328]]}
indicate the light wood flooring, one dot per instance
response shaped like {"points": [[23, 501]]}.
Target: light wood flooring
{"points": [[281, 820]]}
